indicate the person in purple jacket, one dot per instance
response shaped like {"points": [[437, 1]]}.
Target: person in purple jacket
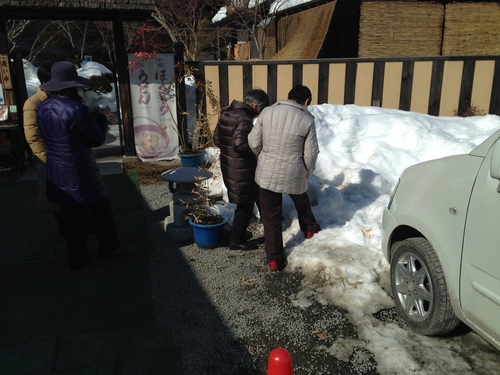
{"points": [[73, 179]]}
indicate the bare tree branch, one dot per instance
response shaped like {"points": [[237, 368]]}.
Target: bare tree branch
{"points": [[15, 29], [105, 30], [255, 18], [44, 42], [188, 22]]}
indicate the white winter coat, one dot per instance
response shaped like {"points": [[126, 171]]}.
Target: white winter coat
{"points": [[284, 139]]}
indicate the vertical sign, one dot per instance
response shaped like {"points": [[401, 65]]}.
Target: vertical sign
{"points": [[152, 89], [5, 72]]}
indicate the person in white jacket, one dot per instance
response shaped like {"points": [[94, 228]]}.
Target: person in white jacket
{"points": [[284, 140]]}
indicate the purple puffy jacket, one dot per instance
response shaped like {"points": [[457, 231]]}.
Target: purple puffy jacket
{"points": [[70, 132]]}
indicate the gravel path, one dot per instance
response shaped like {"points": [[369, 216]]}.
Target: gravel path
{"points": [[227, 312]]}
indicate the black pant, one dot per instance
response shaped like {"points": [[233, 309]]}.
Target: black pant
{"points": [[242, 216], [75, 220], [271, 209]]}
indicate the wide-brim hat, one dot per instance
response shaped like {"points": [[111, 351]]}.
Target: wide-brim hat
{"points": [[64, 75]]}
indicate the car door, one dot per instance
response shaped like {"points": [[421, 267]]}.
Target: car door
{"points": [[480, 274]]}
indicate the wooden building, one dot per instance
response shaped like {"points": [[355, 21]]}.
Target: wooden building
{"points": [[383, 28]]}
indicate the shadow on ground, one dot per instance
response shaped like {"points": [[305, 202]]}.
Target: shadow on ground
{"points": [[99, 320]]}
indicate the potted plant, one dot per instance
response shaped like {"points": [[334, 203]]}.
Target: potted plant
{"points": [[208, 225], [193, 140]]}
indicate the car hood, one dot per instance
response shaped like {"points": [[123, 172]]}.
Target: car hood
{"points": [[483, 148], [479, 151], [429, 166]]}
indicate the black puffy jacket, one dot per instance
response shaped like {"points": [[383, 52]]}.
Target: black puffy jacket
{"points": [[237, 160], [70, 132]]}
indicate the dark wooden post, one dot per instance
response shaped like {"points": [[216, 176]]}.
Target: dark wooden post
{"points": [[13, 131], [180, 88], [124, 83], [6, 79]]}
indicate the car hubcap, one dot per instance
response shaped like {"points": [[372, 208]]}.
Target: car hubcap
{"points": [[413, 286]]}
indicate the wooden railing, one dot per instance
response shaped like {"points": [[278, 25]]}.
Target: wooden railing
{"points": [[438, 85]]}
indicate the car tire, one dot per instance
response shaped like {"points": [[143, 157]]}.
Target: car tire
{"points": [[419, 288]]}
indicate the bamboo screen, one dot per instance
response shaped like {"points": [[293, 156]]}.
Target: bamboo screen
{"points": [[270, 37], [400, 28], [301, 35], [472, 29]]}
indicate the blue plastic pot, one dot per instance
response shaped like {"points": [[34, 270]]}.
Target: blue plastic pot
{"points": [[192, 160], [208, 236]]}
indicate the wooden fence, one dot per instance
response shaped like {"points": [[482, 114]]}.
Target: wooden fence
{"points": [[437, 85]]}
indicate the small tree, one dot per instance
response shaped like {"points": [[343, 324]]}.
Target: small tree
{"points": [[105, 30], [254, 17], [189, 22]]}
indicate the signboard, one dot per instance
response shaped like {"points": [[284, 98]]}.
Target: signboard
{"points": [[152, 89], [5, 72]]}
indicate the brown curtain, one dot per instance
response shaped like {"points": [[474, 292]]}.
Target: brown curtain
{"points": [[297, 39]]}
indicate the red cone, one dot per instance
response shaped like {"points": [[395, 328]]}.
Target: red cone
{"points": [[279, 362]]}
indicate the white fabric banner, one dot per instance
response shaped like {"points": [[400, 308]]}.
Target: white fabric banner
{"points": [[152, 89]]}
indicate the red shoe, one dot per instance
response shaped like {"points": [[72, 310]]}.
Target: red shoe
{"points": [[311, 233], [275, 267]]}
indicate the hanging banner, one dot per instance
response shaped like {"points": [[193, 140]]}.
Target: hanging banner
{"points": [[152, 89]]}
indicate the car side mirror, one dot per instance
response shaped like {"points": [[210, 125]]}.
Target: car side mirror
{"points": [[495, 163]]}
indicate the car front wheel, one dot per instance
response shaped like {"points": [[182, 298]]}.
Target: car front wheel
{"points": [[419, 288]]}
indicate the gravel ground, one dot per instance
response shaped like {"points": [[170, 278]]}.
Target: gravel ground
{"points": [[227, 312]]}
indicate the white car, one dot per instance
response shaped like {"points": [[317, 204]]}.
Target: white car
{"points": [[441, 236]]}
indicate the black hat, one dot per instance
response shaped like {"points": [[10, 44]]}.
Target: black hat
{"points": [[64, 75]]}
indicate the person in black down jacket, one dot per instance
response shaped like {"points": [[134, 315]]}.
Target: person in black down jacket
{"points": [[238, 162], [73, 178]]}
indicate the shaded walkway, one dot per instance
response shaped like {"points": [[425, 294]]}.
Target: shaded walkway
{"points": [[99, 320]]}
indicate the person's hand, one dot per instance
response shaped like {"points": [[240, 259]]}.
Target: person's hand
{"points": [[102, 111], [106, 112]]}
